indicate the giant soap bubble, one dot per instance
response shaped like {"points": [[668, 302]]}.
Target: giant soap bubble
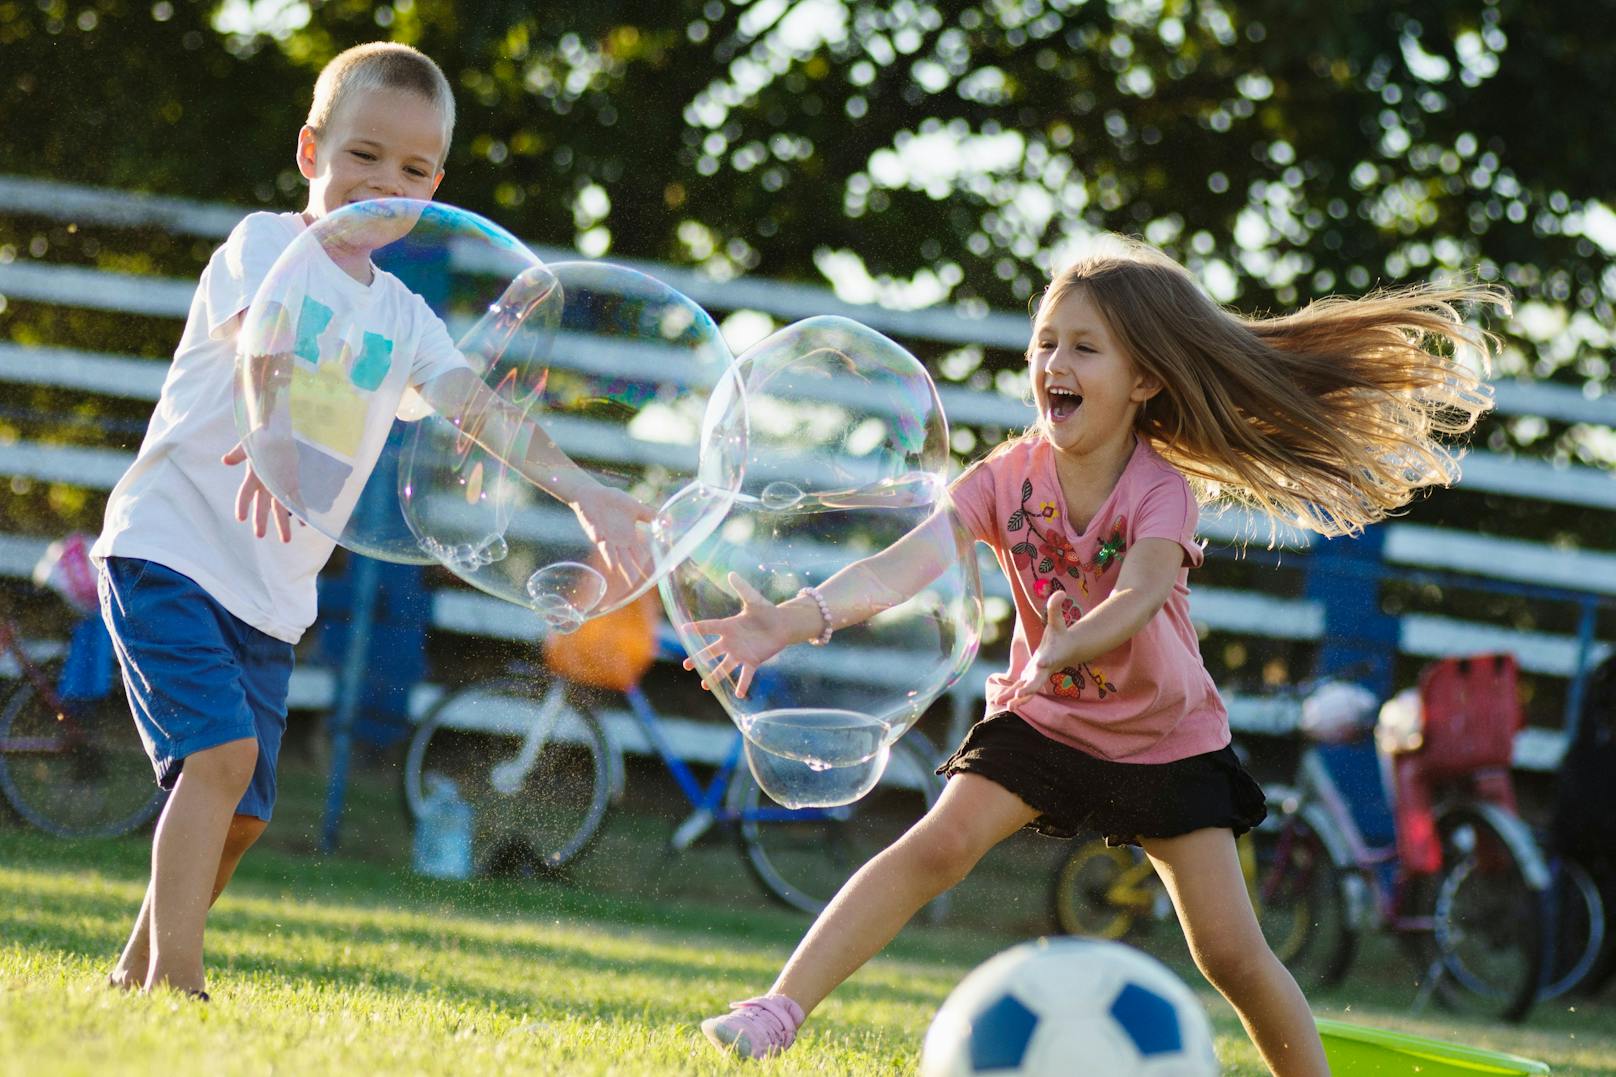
{"points": [[363, 305], [845, 453], [621, 401]]}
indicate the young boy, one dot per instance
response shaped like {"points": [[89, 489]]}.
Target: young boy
{"points": [[204, 614]]}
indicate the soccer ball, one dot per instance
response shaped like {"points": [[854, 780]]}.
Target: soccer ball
{"points": [[1067, 1005]]}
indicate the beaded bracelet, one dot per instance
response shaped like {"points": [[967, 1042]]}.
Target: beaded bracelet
{"points": [[824, 612]]}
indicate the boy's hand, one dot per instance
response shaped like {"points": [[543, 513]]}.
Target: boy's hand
{"points": [[750, 638], [612, 520], [254, 498], [1054, 651]]}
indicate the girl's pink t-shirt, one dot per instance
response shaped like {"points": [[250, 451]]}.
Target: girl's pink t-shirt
{"points": [[1151, 699]]}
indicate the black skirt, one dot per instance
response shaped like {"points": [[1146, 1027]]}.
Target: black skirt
{"points": [[1077, 793]]}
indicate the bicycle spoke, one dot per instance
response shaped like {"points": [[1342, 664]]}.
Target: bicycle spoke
{"points": [[1487, 928], [535, 803], [1085, 898]]}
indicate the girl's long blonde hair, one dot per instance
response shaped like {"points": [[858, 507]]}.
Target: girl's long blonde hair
{"points": [[1329, 418]]}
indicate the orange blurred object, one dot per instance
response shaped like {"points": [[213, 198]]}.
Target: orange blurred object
{"points": [[611, 651]]}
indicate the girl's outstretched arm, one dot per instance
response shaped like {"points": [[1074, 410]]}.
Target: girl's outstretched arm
{"points": [[1148, 574], [744, 641]]}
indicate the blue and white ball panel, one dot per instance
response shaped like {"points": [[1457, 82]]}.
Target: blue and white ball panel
{"points": [[1057, 1006]]}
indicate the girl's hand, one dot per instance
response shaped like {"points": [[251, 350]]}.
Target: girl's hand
{"points": [[1054, 650], [255, 499], [746, 640], [612, 521]]}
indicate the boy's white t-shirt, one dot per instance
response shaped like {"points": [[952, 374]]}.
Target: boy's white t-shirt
{"points": [[176, 503]]}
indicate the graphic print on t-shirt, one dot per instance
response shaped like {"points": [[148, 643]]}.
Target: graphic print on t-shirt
{"points": [[1049, 559], [332, 381]]}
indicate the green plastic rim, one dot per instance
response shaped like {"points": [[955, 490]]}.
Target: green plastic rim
{"points": [[1456, 1058]]}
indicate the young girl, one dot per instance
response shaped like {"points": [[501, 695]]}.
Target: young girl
{"points": [[1147, 393]]}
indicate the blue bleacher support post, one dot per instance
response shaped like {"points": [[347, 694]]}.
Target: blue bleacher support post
{"points": [[400, 617], [1360, 639], [1587, 621], [349, 687]]}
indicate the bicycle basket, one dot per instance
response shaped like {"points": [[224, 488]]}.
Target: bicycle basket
{"points": [[611, 651], [1472, 710]]}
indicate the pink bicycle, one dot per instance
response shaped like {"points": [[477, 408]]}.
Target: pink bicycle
{"points": [[71, 763]]}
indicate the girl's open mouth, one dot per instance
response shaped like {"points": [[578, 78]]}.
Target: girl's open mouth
{"points": [[1062, 403]]}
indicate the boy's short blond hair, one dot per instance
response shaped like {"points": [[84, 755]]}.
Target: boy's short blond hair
{"points": [[381, 65]]}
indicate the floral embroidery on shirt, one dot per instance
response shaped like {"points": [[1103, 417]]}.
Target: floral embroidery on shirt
{"points": [[1113, 545], [1051, 559], [1070, 681]]}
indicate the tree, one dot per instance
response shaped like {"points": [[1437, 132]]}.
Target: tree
{"points": [[928, 150]]}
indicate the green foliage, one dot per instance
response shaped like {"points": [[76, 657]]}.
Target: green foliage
{"points": [[1284, 151], [948, 150]]}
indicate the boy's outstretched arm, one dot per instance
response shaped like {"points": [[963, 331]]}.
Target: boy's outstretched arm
{"points": [[746, 640], [610, 518]]}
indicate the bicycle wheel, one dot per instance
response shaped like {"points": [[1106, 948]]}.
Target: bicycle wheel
{"points": [[1604, 966], [1486, 942], [533, 763], [1080, 894], [1302, 902], [803, 859], [78, 775], [1576, 912]]}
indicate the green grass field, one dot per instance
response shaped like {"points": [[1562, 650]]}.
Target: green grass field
{"points": [[351, 964]]}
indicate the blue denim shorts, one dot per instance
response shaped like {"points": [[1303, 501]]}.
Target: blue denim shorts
{"points": [[197, 677]]}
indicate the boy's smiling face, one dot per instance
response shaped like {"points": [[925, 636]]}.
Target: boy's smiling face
{"points": [[380, 143]]}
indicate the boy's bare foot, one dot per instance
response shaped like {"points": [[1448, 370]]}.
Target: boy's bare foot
{"points": [[185, 992], [123, 981]]}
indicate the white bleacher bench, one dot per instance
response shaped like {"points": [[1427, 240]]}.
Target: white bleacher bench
{"points": [[1214, 608]]}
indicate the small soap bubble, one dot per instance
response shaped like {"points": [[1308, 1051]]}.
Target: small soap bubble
{"points": [[566, 590], [493, 549], [780, 496]]}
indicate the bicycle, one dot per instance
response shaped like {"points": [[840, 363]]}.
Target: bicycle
{"points": [[1581, 840], [70, 762], [1451, 869], [540, 769], [1112, 892]]}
